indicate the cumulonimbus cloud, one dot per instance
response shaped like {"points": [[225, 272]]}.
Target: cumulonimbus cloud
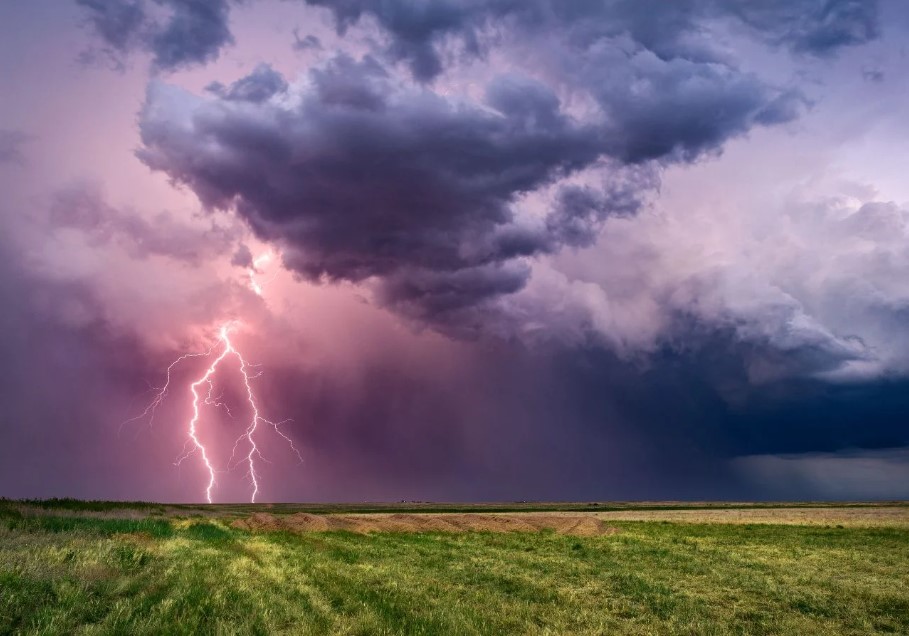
{"points": [[360, 173], [441, 198]]}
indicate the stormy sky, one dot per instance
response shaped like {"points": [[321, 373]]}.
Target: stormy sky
{"points": [[480, 249]]}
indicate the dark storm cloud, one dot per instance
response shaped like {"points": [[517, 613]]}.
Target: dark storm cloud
{"points": [[82, 207], [120, 24], [197, 30], [11, 142], [194, 32], [365, 178], [459, 302], [813, 416], [671, 30], [372, 176]]}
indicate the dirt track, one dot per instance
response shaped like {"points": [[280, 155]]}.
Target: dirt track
{"points": [[584, 525]]}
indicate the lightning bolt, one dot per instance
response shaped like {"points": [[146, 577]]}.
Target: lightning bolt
{"points": [[256, 269], [206, 397], [201, 397], [161, 392]]}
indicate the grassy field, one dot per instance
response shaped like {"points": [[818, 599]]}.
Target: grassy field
{"points": [[83, 567]]}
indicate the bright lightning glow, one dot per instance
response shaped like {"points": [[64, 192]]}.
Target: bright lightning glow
{"points": [[256, 269], [200, 398]]}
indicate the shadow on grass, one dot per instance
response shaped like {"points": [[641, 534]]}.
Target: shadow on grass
{"points": [[207, 531]]}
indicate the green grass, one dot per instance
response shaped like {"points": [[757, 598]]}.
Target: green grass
{"points": [[62, 574], [82, 505]]}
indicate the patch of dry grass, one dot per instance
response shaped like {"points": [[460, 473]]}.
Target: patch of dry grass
{"points": [[865, 516]]}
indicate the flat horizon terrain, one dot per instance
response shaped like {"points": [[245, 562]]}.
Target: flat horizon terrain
{"points": [[69, 566]]}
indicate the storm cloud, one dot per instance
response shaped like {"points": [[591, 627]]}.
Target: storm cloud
{"points": [[192, 31], [361, 174], [419, 31], [422, 33]]}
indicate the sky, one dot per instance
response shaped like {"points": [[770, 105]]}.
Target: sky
{"points": [[471, 250]]}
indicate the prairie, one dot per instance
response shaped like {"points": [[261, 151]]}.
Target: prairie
{"points": [[658, 568]]}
